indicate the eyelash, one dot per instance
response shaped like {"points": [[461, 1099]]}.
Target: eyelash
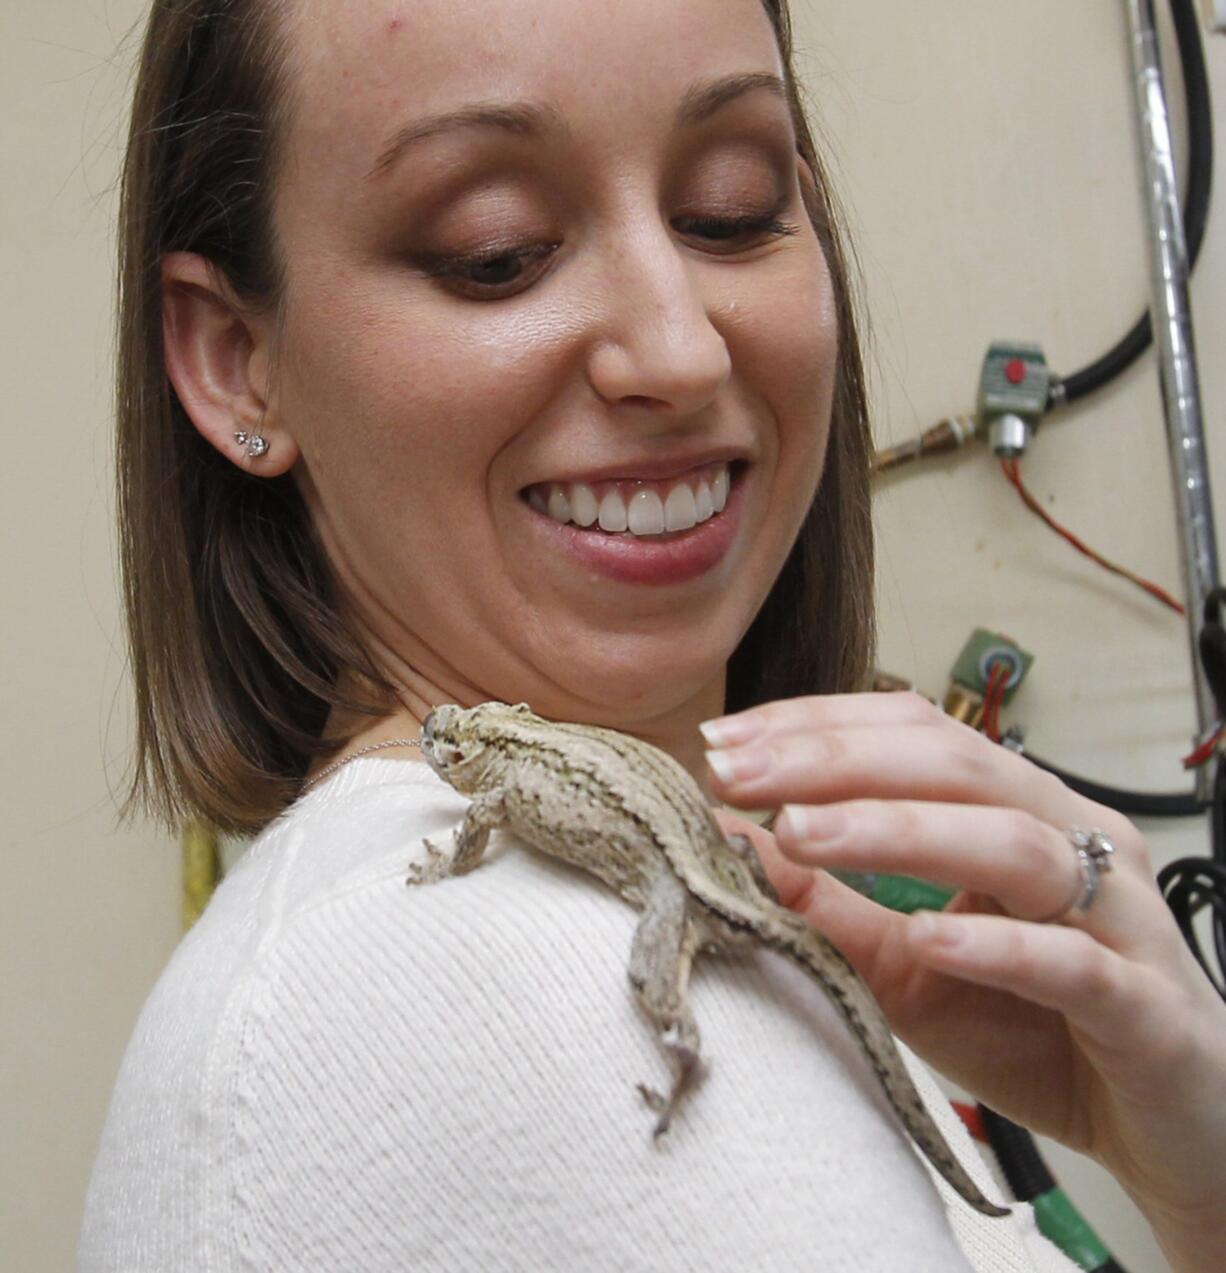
{"points": [[715, 228]]}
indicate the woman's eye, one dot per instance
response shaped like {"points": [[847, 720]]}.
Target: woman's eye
{"points": [[742, 231], [493, 275], [486, 274]]}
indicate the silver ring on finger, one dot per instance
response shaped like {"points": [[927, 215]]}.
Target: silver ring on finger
{"points": [[1094, 851]]}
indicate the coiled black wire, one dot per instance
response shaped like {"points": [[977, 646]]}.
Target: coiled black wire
{"points": [[1196, 205], [1193, 884]]}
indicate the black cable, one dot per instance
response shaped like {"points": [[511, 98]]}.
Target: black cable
{"points": [[1024, 1169], [1192, 884], [1030, 1180], [1189, 885], [1136, 804], [1211, 645], [1196, 204]]}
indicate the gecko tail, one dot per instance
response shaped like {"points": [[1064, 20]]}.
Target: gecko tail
{"points": [[843, 986]]}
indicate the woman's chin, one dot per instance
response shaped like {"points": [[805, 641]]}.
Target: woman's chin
{"points": [[624, 688]]}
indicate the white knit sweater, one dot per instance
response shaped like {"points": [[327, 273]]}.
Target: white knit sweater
{"points": [[337, 1072]]}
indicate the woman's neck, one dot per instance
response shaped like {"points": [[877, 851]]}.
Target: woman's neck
{"points": [[674, 731]]}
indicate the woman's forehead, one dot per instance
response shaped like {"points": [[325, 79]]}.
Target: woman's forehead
{"points": [[367, 66]]}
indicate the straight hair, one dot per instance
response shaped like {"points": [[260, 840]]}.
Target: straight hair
{"points": [[236, 642]]}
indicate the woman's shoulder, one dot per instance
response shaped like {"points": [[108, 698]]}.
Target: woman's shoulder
{"points": [[446, 1076], [290, 916], [350, 839], [366, 823]]}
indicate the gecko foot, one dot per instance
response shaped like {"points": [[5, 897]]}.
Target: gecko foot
{"points": [[658, 1103], [437, 866], [689, 1069]]}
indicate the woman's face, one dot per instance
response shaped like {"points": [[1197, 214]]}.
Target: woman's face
{"points": [[490, 327]]}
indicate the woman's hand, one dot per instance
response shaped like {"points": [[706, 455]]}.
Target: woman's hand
{"points": [[1098, 1030]]}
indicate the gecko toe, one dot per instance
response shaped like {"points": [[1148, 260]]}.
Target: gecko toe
{"points": [[656, 1101], [437, 866], [659, 1104]]}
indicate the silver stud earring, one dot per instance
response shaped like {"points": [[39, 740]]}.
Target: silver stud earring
{"points": [[255, 444]]}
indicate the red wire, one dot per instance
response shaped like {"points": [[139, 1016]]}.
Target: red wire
{"points": [[1204, 751], [993, 697], [1013, 473], [969, 1114]]}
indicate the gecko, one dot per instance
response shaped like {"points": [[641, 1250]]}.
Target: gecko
{"points": [[629, 814]]}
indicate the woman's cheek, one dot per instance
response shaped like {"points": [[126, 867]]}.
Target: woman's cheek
{"points": [[790, 354]]}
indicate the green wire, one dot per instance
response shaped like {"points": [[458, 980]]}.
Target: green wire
{"points": [[897, 892], [904, 893], [1060, 1222]]}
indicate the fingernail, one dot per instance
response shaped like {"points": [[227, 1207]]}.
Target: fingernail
{"points": [[730, 731], [738, 765], [937, 930], [807, 823]]}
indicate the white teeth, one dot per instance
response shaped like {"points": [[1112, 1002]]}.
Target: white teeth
{"points": [[559, 505], [583, 507], [680, 510], [613, 513], [719, 490], [645, 514]]}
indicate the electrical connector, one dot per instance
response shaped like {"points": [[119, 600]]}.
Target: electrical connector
{"points": [[1014, 389], [945, 435], [982, 653]]}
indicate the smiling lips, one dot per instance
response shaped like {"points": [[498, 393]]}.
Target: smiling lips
{"points": [[639, 507], [665, 531]]}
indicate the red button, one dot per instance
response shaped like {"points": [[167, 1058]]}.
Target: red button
{"points": [[1015, 371]]}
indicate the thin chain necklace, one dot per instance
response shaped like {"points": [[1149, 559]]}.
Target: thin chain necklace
{"points": [[328, 770]]}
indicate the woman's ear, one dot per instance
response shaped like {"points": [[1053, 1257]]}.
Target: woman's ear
{"points": [[219, 360]]}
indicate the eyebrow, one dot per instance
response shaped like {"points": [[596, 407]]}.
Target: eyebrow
{"points": [[539, 119]]}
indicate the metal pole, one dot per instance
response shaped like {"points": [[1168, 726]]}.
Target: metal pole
{"points": [[1172, 321]]}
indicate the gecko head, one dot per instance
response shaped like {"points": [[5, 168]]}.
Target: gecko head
{"points": [[455, 746]]}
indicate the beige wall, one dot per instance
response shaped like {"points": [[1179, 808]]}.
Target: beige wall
{"points": [[985, 151], [88, 913]]}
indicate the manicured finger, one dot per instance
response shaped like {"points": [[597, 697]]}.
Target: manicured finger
{"points": [[819, 711], [939, 762], [1025, 864]]}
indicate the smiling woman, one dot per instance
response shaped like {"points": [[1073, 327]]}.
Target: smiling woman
{"points": [[427, 321], [504, 351]]}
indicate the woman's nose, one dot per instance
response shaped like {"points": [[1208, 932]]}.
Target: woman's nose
{"points": [[655, 340]]}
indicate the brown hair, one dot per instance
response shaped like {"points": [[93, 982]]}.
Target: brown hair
{"points": [[236, 643]]}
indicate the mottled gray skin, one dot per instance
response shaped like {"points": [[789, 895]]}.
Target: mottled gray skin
{"points": [[631, 815]]}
